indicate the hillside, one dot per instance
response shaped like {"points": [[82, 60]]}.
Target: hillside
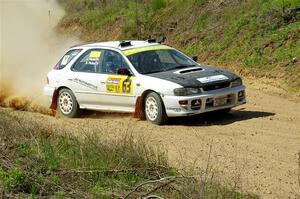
{"points": [[261, 37]]}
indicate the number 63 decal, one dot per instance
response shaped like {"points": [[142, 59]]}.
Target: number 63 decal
{"points": [[119, 84]]}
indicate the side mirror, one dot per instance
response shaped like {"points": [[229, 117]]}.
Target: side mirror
{"points": [[124, 71], [195, 58]]}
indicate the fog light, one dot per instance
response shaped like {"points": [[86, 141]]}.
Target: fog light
{"points": [[196, 104], [183, 103], [209, 100], [241, 94]]}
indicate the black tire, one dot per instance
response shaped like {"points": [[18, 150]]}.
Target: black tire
{"points": [[156, 115], [73, 109]]}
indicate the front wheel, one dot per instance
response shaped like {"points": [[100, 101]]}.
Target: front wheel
{"points": [[154, 109], [67, 104]]}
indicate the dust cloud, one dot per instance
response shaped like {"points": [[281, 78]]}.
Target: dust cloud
{"points": [[30, 47]]}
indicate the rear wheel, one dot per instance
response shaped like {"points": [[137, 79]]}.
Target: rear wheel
{"points": [[67, 104], [154, 109]]}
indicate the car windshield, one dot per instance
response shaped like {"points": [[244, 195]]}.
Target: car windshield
{"points": [[155, 61]]}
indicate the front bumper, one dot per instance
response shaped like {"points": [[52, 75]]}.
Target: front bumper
{"points": [[233, 97]]}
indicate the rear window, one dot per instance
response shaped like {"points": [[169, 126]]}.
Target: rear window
{"points": [[67, 58]]}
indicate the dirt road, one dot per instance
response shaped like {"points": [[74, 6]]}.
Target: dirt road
{"points": [[254, 148]]}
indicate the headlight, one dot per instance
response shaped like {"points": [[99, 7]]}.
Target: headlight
{"points": [[237, 82], [186, 91]]}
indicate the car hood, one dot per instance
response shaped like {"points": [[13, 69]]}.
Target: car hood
{"points": [[195, 77]]}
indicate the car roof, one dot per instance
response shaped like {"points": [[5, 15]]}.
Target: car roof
{"points": [[116, 44]]}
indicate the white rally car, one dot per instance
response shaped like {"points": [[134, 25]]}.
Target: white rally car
{"points": [[145, 77]]}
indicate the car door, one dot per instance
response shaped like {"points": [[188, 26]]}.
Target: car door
{"points": [[118, 87], [84, 77]]}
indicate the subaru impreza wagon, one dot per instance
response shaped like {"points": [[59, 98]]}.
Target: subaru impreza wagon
{"points": [[147, 78]]}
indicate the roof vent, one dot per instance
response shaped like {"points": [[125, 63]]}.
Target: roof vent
{"points": [[125, 44], [151, 40]]}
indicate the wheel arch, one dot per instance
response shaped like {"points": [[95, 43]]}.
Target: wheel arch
{"points": [[53, 105], [140, 104]]}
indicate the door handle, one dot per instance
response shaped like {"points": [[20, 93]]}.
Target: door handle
{"points": [[102, 82]]}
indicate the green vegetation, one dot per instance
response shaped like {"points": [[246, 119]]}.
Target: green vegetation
{"points": [[40, 161], [259, 36]]}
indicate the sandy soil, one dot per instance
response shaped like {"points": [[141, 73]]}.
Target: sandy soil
{"points": [[255, 148]]}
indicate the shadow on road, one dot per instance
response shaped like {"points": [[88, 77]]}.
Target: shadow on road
{"points": [[205, 119], [215, 118], [90, 114]]}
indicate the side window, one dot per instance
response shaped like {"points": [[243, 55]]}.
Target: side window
{"points": [[67, 58], [112, 62], [180, 58], [89, 62]]}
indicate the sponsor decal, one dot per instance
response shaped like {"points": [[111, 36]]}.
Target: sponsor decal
{"points": [[83, 83], [95, 54], [212, 78], [119, 84], [93, 58], [147, 48], [174, 109]]}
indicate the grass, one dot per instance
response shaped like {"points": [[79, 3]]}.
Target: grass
{"points": [[44, 162], [97, 165]]}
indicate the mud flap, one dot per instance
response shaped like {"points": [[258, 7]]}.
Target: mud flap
{"points": [[138, 112], [53, 105]]}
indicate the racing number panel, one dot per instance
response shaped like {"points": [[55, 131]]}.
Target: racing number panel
{"points": [[118, 84]]}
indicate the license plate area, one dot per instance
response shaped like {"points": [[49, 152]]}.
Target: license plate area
{"points": [[220, 101]]}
